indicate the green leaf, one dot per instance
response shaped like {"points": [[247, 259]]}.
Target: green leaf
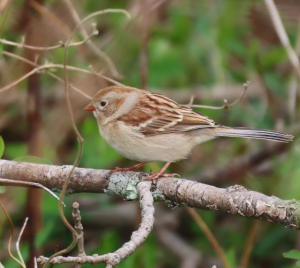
{"points": [[1, 146], [292, 254], [33, 159], [298, 264]]}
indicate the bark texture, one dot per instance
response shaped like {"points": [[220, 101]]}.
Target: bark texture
{"points": [[176, 192]]}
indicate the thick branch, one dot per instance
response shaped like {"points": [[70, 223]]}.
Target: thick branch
{"points": [[177, 192]]}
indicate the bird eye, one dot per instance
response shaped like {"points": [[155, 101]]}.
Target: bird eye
{"points": [[103, 103]]}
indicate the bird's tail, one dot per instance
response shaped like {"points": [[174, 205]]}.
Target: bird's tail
{"points": [[252, 134]]}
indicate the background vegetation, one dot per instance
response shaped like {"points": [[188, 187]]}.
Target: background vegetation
{"points": [[204, 48]]}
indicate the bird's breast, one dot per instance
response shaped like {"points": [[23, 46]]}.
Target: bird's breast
{"points": [[136, 146]]}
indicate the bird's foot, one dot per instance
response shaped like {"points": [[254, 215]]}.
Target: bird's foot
{"points": [[160, 174], [117, 169], [133, 168]]}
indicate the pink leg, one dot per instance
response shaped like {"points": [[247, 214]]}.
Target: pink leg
{"points": [[160, 173], [117, 169]]}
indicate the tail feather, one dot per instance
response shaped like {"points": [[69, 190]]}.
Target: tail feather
{"points": [[252, 134]]}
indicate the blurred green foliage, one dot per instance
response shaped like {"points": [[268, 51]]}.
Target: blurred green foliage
{"points": [[192, 45], [1, 146]]}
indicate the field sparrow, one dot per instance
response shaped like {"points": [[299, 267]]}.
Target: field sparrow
{"points": [[149, 127]]}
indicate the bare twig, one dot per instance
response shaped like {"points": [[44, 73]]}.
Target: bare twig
{"points": [[55, 21], [197, 218], [144, 7], [78, 228], [292, 54], [18, 240], [90, 44], [19, 80], [46, 70], [11, 236], [9, 4], [60, 45], [225, 105], [26, 184], [51, 65], [294, 85], [283, 36], [249, 244], [137, 238]]}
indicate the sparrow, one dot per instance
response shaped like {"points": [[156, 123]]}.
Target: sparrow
{"points": [[149, 127]]}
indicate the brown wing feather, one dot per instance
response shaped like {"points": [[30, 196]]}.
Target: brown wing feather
{"points": [[169, 118]]}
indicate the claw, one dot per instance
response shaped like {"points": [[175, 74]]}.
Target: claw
{"points": [[171, 175], [117, 169]]}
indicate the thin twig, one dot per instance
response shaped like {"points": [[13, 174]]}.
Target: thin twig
{"points": [[90, 44], [294, 84], [60, 45], [137, 237], [54, 20], [47, 71], [19, 238], [51, 65], [6, 14], [11, 236], [19, 80], [209, 236], [292, 54], [78, 228], [35, 184], [283, 35], [249, 244], [35, 263], [144, 7], [225, 105]]}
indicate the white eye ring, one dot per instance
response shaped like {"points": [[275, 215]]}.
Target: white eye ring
{"points": [[103, 103]]}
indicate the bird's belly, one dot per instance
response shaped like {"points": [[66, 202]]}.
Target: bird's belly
{"points": [[136, 146]]}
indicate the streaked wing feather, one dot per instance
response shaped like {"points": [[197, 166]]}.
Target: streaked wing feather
{"points": [[157, 114]]}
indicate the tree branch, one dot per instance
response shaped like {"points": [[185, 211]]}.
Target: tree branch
{"points": [[176, 192], [78, 228], [137, 238]]}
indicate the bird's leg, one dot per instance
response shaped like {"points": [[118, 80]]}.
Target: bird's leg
{"points": [[160, 173], [117, 169]]}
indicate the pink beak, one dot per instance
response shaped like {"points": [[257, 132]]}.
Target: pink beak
{"points": [[90, 107]]}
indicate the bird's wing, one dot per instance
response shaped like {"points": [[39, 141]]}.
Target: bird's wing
{"points": [[157, 114]]}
